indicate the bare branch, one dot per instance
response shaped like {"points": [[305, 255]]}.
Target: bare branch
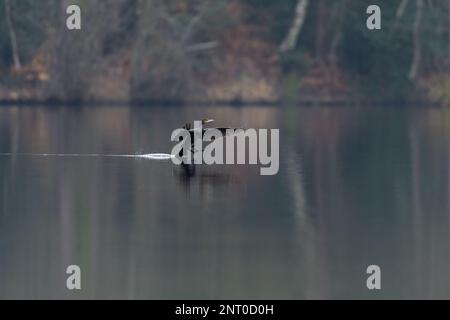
{"points": [[290, 41], [337, 37], [417, 53], [401, 8], [12, 36], [194, 21], [202, 46]]}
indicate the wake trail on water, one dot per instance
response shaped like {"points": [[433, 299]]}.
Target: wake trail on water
{"points": [[150, 156]]}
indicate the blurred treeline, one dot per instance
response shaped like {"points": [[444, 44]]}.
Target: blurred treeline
{"points": [[225, 50]]}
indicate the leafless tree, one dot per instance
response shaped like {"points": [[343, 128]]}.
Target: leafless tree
{"points": [[401, 9], [291, 39], [321, 27], [76, 55], [165, 51], [417, 39], [340, 13], [12, 36]]}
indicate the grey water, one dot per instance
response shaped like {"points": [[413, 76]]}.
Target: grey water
{"points": [[356, 187]]}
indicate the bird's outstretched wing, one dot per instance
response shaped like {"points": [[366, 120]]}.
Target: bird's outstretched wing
{"points": [[189, 125]]}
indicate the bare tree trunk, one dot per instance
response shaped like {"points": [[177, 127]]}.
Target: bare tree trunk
{"points": [[340, 12], [193, 22], [320, 28], [401, 9], [417, 53], [398, 14], [448, 33], [290, 41], [59, 74], [12, 36]]}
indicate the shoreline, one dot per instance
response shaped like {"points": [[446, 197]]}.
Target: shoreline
{"points": [[338, 103]]}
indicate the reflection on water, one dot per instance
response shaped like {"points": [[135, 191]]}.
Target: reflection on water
{"points": [[356, 187]]}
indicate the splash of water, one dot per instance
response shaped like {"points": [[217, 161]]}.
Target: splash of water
{"points": [[150, 156], [157, 156]]}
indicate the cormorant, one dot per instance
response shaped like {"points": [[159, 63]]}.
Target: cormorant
{"points": [[189, 127]]}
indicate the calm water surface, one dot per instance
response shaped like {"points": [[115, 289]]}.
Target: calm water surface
{"points": [[356, 186]]}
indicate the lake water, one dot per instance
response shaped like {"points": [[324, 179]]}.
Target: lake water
{"points": [[356, 187]]}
